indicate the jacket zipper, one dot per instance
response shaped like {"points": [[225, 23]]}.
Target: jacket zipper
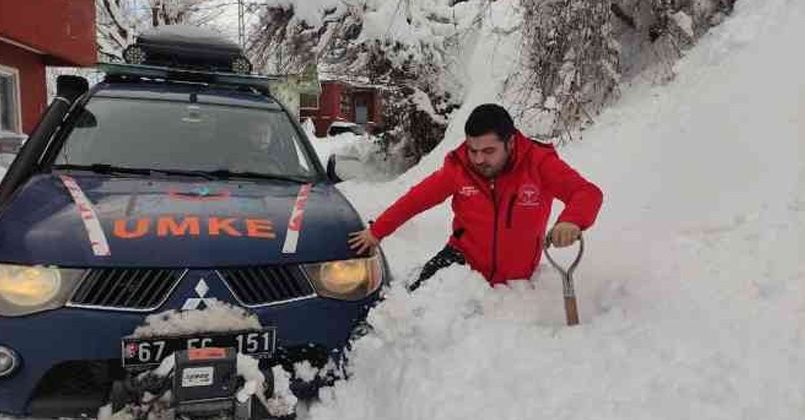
{"points": [[509, 212], [494, 232]]}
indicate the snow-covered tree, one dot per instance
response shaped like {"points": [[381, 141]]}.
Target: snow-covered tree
{"points": [[571, 61], [413, 72], [577, 53], [120, 21], [116, 27]]}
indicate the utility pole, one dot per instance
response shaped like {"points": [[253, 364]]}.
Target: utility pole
{"points": [[241, 24], [155, 13]]}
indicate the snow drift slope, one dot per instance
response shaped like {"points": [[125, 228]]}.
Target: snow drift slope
{"points": [[691, 296]]}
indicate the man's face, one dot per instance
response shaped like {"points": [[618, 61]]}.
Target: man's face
{"points": [[488, 154]]}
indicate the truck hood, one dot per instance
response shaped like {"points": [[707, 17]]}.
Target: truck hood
{"points": [[99, 220]]}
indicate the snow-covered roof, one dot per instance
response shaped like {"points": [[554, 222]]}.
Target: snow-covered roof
{"points": [[328, 73], [343, 124], [352, 82]]}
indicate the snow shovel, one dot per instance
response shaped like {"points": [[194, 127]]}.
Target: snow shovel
{"points": [[571, 312]]}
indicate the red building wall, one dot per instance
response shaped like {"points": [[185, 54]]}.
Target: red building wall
{"points": [[33, 94], [330, 109], [378, 109], [36, 33], [330, 101], [63, 30]]}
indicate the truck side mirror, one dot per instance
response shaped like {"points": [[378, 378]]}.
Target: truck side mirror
{"points": [[331, 170], [86, 119]]}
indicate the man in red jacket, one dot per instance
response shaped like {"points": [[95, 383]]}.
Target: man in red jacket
{"points": [[502, 185]]}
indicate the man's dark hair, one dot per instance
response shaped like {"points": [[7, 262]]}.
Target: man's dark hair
{"points": [[489, 118]]}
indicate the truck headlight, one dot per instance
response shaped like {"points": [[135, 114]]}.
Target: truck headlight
{"points": [[346, 279], [29, 289]]}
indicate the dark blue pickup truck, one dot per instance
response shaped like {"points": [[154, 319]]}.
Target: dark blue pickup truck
{"points": [[169, 189]]}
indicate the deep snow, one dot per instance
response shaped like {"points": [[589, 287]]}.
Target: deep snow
{"points": [[691, 293]]}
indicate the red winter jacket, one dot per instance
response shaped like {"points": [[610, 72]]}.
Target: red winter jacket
{"points": [[500, 224]]}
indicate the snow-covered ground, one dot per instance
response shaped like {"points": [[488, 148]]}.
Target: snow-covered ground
{"points": [[692, 292]]}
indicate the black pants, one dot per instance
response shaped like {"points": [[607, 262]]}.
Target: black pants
{"points": [[444, 258]]}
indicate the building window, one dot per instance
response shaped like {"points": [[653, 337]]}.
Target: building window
{"points": [[308, 101], [9, 100], [361, 109]]}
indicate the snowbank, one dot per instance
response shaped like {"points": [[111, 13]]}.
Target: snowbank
{"points": [[692, 294]]}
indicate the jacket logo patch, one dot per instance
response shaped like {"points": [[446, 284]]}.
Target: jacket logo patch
{"points": [[528, 195], [468, 191]]}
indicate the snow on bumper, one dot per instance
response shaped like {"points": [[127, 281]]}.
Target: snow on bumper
{"points": [[50, 339]]}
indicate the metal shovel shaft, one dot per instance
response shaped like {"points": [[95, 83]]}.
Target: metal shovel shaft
{"points": [[571, 309]]}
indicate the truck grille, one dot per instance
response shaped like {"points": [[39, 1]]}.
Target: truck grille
{"points": [[133, 289], [265, 285]]}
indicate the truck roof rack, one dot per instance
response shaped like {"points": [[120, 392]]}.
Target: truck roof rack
{"points": [[141, 71]]}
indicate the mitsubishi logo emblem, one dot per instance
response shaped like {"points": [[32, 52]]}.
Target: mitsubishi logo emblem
{"points": [[199, 302]]}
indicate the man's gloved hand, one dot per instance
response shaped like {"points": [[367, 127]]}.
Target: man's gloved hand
{"points": [[564, 234], [363, 241]]}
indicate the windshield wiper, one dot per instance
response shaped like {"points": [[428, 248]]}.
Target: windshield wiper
{"points": [[226, 174], [103, 168]]}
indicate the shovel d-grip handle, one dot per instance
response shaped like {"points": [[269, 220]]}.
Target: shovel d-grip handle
{"points": [[571, 310]]}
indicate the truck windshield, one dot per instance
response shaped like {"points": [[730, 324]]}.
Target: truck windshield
{"points": [[160, 134]]}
